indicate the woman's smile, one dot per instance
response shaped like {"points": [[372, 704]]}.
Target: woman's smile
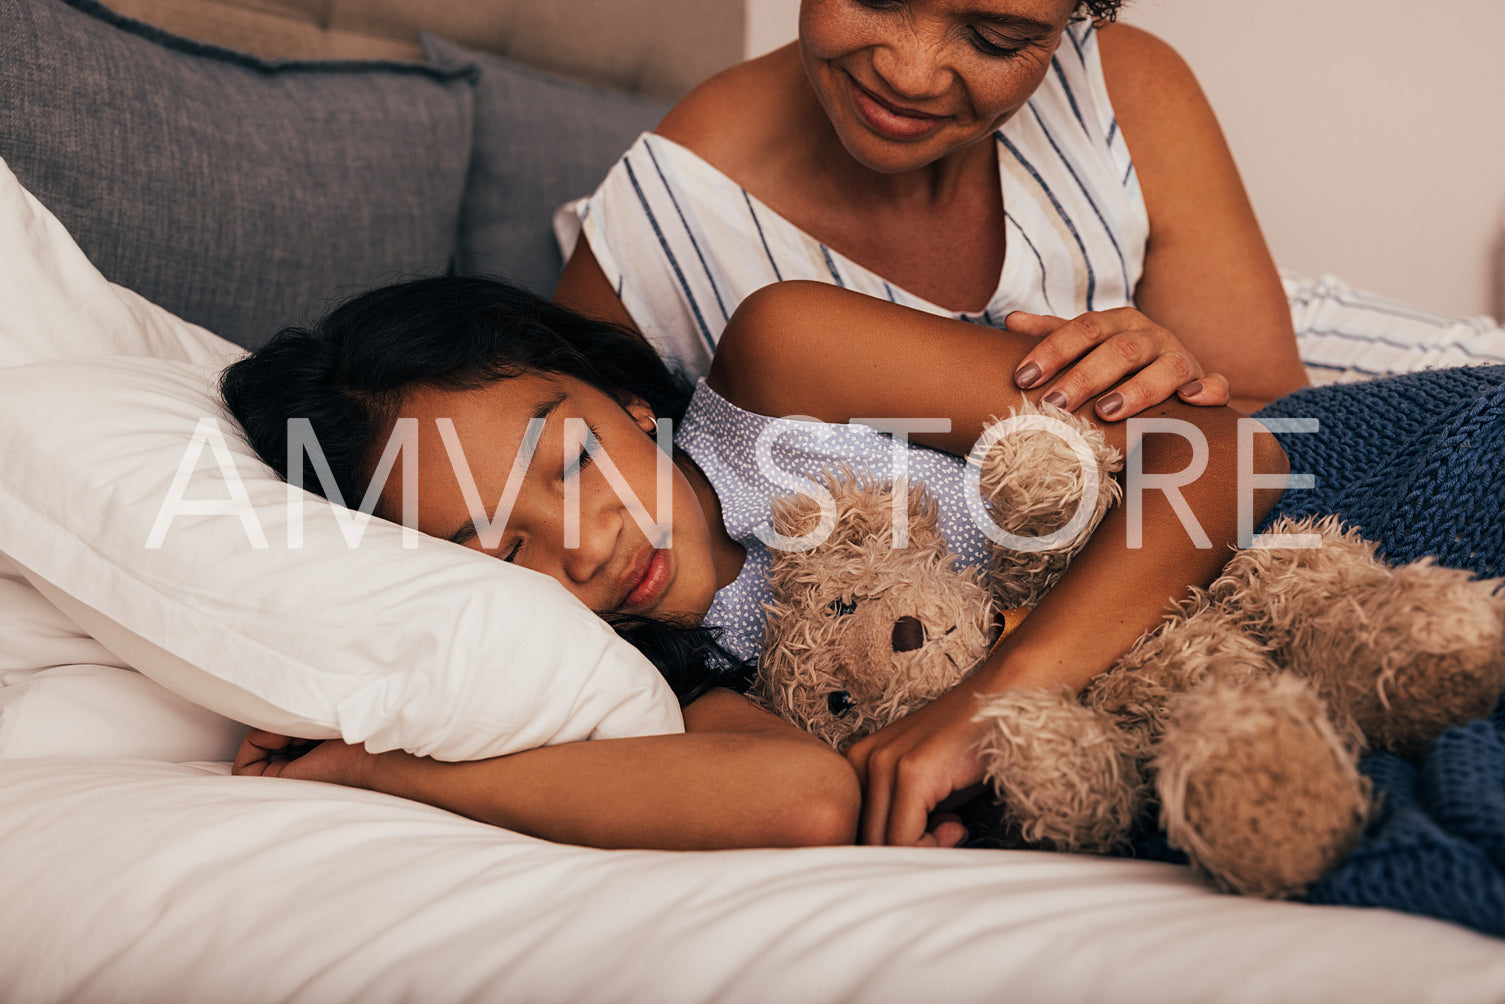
{"points": [[892, 121]]}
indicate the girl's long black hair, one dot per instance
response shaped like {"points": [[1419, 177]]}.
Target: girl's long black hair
{"points": [[348, 373]]}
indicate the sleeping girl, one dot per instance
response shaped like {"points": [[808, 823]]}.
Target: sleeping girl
{"points": [[558, 417]]}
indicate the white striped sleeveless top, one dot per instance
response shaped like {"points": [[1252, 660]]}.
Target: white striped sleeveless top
{"points": [[683, 244]]}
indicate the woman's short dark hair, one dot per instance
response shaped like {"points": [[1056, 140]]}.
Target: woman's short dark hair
{"points": [[1100, 11], [348, 373]]}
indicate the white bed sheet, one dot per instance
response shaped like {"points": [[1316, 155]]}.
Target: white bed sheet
{"points": [[148, 881]]}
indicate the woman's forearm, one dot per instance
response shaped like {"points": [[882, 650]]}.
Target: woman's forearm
{"points": [[1114, 592], [836, 355], [744, 780]]}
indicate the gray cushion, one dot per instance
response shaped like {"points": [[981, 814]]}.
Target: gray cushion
{"points": [[242, 195], [539, 141]]}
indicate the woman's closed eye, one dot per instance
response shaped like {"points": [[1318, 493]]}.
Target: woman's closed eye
{"points": [[989, 47]]}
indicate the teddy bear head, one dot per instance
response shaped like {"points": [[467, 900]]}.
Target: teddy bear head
{"points": [[862, 631]]}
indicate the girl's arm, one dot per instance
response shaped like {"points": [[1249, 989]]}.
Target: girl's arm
{"points": [[811, 349], [738, 777], [1208, 279]]}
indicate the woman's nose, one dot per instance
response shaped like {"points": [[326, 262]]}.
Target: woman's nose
{"points": [[911, 65]]}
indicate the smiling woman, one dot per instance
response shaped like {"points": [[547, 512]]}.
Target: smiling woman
{"points": [[1008, 162]]}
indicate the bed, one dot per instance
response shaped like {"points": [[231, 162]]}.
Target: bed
{"points": [[174, 189]]}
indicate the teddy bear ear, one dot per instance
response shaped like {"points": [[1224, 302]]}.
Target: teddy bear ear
{"points": [[1034, 483]]}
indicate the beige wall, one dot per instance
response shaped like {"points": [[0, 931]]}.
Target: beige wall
{"points": [[1370, 133]]}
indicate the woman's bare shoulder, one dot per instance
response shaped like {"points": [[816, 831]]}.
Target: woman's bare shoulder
{"points": [[1143, 71], [732, 119]]}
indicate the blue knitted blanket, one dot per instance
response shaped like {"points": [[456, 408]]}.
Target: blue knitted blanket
{"points": [[1417, 462]]}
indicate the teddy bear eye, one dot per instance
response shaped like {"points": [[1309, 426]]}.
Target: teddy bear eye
{"points": [[842, 608], [839, 702]]}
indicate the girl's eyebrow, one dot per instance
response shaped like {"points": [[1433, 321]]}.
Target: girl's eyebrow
{"points": [[467, 531]]}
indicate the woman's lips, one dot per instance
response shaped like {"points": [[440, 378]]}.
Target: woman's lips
{"points": [[891, 121], [647, 586]]}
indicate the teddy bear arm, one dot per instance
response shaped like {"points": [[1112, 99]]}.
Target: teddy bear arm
{"points": [[1064, 775]]}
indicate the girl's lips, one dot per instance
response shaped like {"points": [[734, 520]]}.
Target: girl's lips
{"points": [[646, 588], [889, 121]]}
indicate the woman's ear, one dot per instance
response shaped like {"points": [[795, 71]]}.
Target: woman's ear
{"points": [[642, 414]]}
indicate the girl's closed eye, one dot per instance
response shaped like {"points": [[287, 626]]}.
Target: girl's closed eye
{"points": [[582, 459], [511, 555]]}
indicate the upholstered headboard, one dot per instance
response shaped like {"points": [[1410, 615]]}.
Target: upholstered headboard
{"points": [[202, 156], [657, 48]]}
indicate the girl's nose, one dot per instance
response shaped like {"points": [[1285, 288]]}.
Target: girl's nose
{"points": [[600, 531]]}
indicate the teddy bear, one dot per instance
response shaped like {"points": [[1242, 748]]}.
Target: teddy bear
{"points": [[1239, 719]]}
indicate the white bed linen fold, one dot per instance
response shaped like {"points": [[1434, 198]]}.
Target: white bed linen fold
{"points": [[144, 881]]}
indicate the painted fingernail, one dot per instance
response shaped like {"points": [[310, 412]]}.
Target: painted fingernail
{"points": [[1192, 389], [1056, 398], [1109, 405], [1027, 375]]}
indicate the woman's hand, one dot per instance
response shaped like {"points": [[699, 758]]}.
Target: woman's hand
{"points": [[267, 754], [911, 769], [1098, 350]]}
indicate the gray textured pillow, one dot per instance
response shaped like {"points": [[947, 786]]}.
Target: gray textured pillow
{"points": [[240, 194], [539, 141]]}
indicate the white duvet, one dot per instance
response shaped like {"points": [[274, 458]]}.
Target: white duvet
{"points": [[155, 882]]}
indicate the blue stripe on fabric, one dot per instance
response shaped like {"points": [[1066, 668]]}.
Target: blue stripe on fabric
{"points": [[1418, 314], [709, 278], [1112, 131], [1076, 43], [824, 253], [1055, 64], [1128, 174], [1347, 369], [1122, 261], [1045, 293], [1060, 211], [705, 332], [889, 292], [748, 199], [1362, 339]]}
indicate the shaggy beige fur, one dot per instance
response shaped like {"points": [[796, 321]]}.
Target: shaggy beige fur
{"points": [[1239, 719]]}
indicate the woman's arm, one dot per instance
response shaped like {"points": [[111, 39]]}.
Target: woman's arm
{"points": [[1208, 278], [737, 777], [583, 288], [810, 349]]}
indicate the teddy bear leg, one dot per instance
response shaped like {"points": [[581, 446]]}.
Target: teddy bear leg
{"points": [[1258, 786], [1066, 776], [1404, 652]]}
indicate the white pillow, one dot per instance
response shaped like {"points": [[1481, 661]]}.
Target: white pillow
{"points": [[55, 681], [436, 649], [82, 543]]}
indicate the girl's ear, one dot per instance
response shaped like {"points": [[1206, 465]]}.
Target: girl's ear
{"points": [[642, 414]]}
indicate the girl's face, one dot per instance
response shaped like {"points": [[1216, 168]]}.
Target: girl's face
{"points": [[617, 565], [906, 82]]}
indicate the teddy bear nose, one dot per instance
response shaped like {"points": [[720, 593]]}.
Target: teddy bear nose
{"points": [[909, 634]]}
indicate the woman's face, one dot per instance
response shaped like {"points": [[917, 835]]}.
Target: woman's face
{"points": [[906, 82], [616, 564]]}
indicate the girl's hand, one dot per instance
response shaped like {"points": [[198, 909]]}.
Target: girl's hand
{"points": [[911, 768], [267, 754], [1103, 347]]}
